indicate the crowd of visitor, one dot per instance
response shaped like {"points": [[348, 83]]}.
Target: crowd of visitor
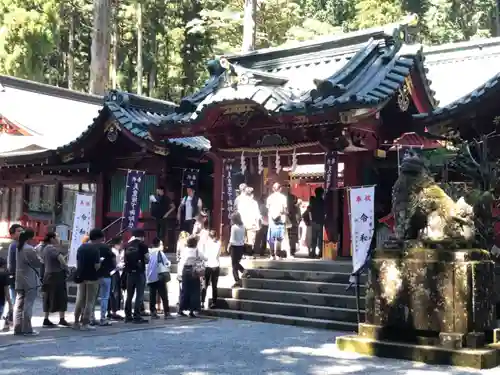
{"points": [[114, 274]]}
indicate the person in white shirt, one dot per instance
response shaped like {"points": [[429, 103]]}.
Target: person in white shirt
{"points": [[240, 194], [250, 215], [190, 297], [211, 249], [237, 247], [156, 278], [277, 211], [189, 209]]}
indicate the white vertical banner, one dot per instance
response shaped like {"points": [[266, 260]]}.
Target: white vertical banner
{"points": [[83, 222], [362, 216]]}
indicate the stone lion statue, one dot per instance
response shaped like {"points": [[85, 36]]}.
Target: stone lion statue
{"points": [[423, 211]]}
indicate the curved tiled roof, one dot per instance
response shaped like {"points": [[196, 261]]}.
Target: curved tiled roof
{"points": [[366, 74], [134, 114], [465, 104], [477, 63]]}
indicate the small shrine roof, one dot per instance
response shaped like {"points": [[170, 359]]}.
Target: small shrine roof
{"points": [[58, 118], [471, 66], [56, 114], [363, 69]]}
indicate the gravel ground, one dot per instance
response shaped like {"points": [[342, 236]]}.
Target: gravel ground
{"points": [[196, 347]]}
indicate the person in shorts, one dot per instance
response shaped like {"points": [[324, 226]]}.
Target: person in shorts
{"points": [[277, 211]]}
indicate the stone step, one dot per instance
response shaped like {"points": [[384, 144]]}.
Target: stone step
{"points": [[328, 277], [288, 309], [316, 299], [302, 265], [301, 286], [283, 319]]}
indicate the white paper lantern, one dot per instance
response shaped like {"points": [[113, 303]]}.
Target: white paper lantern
{"points": [[243, 162], [260, 163], [278, 162], [294, 160]]}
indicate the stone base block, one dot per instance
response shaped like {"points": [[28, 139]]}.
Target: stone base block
{"points": [[484, 358]]}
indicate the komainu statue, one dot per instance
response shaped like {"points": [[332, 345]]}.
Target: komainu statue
{"points": [[423, 211]]}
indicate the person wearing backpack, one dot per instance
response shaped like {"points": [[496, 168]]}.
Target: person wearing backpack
{"points": [[136, 258]]}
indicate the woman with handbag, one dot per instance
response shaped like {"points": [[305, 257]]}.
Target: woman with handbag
{"points": [[191, 266], [157, 277], [55, 294]]}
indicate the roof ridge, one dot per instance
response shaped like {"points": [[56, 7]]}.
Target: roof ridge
{"points": [[45, 89], [326, 42], [462, 46], [127, 100]]}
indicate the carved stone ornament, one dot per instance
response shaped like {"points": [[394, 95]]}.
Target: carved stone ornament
{"points": [[112, 134], [423, 211]]}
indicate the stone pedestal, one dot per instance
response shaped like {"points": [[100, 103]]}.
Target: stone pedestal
{"points": [[440, 298]]}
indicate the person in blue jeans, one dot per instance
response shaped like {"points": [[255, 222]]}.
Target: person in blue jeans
{"points": [[108, 265], [4, 291]]}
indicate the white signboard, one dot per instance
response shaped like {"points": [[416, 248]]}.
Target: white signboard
{"points": [[362, 218], [83, 222]]}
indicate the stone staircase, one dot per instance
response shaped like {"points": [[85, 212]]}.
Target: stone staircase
{"points": [[308, 293]]}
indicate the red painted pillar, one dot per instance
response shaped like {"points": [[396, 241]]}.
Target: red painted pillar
{"points": [[217, 191]]}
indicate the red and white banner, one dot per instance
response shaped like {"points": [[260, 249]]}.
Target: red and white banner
{"points": [[362, 220]]}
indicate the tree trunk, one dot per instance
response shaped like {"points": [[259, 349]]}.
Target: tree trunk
{"points": [[152, 71], [99, 64], [115, 46], [249, 26], [71, 51], [139, 66]]}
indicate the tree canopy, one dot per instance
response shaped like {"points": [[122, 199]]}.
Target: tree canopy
{"points": [[169, 42]]}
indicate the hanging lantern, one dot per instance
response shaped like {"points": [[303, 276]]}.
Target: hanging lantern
{"points": [[294, 160], [243, 163], [278, 162], [260, 163]]}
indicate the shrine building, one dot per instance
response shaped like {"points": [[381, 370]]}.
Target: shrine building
{"points": [[268, 112]]}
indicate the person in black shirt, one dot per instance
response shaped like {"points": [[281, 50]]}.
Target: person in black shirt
{"points": [[136, 258], [88, 263], [317, 215], [108, 264], [162, 208]]}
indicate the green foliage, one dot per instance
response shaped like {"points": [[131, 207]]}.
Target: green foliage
{"points": [[49, 40]]}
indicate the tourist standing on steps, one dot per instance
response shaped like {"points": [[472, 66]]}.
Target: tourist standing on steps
{"points": [[277, 211], [136, 258], [161, 209], [27, 283], [157, 277], [116, 294], [55, 293], [189, 209], [317, 210], [249, 210], [14, 232], [88, 262], [211, 250], [237, 247]]}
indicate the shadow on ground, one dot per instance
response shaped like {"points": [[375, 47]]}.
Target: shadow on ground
{"points": [[204, 348]]}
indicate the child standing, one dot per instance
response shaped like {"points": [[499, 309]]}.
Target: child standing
{"points": [[4, 292], [237, 247], [211, 250]]}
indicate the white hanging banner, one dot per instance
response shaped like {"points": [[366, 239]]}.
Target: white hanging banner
{"points": [[362, 216], [83, 222]]}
